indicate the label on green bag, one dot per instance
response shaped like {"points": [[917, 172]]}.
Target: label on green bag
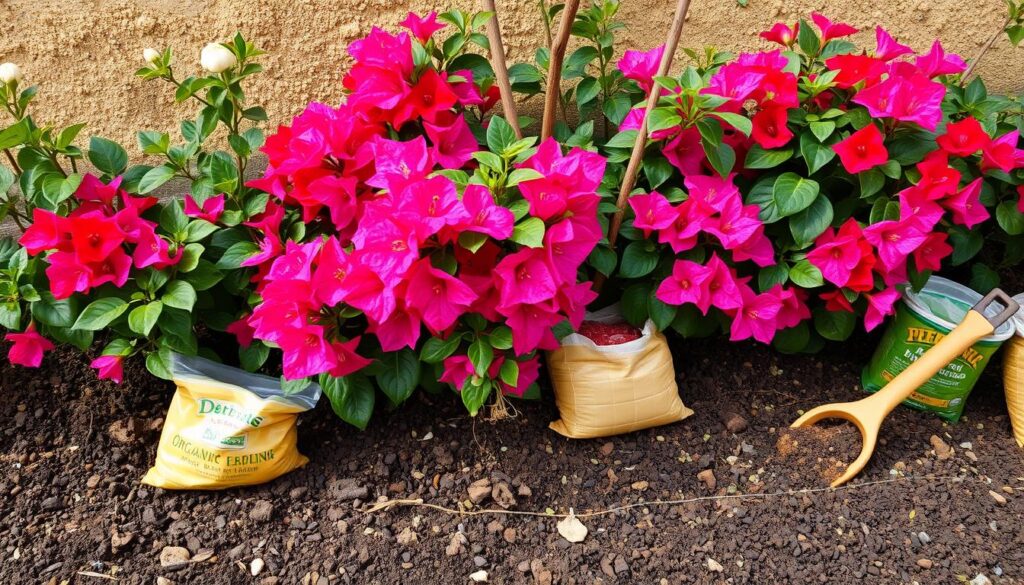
{"points": [[910, 335]]}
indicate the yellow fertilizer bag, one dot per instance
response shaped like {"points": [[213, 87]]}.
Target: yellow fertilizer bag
{"points": [[604, 390], [227, 428], [1013, 375]]}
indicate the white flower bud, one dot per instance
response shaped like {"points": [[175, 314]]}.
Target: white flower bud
{"points": [[217, 58], [9, 72], [151, 56]]}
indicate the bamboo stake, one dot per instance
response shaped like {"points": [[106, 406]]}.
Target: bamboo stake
{"points": [[977, 59], [633, 168], [554, 89], [508, 102]]}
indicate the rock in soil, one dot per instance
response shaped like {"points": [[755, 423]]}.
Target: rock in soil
{"points": [[942, 449], [261, 511], [174, 557], [708, 477]]}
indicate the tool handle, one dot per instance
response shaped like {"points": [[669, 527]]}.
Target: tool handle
{"points": [[967, 333]]}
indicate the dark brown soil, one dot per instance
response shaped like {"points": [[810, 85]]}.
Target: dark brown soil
{"points": [[73, 451], [818, 453]]}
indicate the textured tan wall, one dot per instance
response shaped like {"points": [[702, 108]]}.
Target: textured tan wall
{"points": [[82, 52]]}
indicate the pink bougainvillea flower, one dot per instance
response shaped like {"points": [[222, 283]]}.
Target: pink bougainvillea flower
{"points": [[653, 212], [94, 236], [685, 152], [777, 86], [862, 150], [723, 288], [770, 130], [457, 369], [426, 100], [929, 255], [93, 189], [836, 301], [756, 317], [1002, 153], [886, 47], [917, 203], [736, 223], [109, 367], [452, 142], [525, 277], [331, 270], [641, 66], [153, 250], [837, 254], [938, 179], [691, 217], [880, 306], [687, 284], [794, 307], [66, 275], [242, 331], [399, 164], [378, 81], [712, 192], [422, 27], [906, 95], [854, 69], [113, 269], [48, 231], [894, 240], [402, 328], [438, 296], [565, 179], [573, 299], [781, 33], [569, 243], [466, 90], [531, 325], [210, 210], [831, 30], [346, 360], [937, 62], [269, 248], [964, 138], [528, 373], [28, 347], [429, 205], [306, 352], [966, 205], [757, 248], [364, 289], [484, 215]]}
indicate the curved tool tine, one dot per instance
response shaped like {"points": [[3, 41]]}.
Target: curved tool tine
{"points": [[820, 413]]}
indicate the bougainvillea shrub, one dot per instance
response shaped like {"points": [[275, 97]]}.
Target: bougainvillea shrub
{"points": [[786, 192], [435, 245], [98, 258]]}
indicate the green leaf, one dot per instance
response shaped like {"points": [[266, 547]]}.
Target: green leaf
{"points": [[156, 177], [10, 315], [529, 232], [500, 135], [398, 374], [481, 354], [475, 395], [290, 387], [142, 319], [772, 275], [811, 222], [822, 129], [14, 135], [253, 357], [173, 219], [107, 156], [639, 259], [741, 123], [489, 160], [834, 325], [204, 276], [190, 257], [603, 259], [236, 254], [871, 182], [198, 229], [435, 350], [635, 306], [159, 363], [966, 244], [100, 313], [983, 278], [792, 339], [180, 295], [352, 398], [721, 156], [657, 169], [1009, 218], [49, 311], [661, 119], [815, 155], [501, 338], [662, 314], [587, 90], [806, 275], [807, 39], [509, 372], [793, 193], [759, 158], [153, 142]]}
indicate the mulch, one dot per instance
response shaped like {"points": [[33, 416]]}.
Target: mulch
{"points": [[722, 497]]}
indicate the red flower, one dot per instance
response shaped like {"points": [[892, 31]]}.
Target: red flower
{"points": [[430, 96], [770, 130], [94, 236], [863, 150], [964, 138], [855, 68], [781, 34]]}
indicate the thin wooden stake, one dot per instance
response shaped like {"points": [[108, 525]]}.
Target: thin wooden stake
{"points": [[508, 102], [554, 89], [633, 168]]}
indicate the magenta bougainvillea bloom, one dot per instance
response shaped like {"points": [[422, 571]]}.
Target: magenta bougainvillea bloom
{"points": [[641, 66], [109, 367], [653, 212], [964, 138], [862, 150], [28, 347], [966, 205], [831, 30], [886, 47], [781, 33], [422, 27], [210, 210], [880, 305], [756, 316]]}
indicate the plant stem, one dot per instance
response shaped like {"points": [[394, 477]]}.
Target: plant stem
{"points": [[554, 86], [14, 163], [984, 49], [508, 102]]}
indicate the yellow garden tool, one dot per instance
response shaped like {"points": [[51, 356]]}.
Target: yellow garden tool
{"points": [[868, 413]]}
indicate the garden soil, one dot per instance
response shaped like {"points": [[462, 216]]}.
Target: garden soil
{"points": [[938, 503]]}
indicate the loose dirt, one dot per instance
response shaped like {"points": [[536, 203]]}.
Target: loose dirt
{"points": [[818, 452], [72, 451]]}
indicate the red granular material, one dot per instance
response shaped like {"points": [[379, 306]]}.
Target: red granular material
{"points": [[609, 333]]}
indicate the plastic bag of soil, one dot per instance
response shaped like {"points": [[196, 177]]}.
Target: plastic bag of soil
{"points": [[226, 428], [604, 390], [1013, 375]]}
